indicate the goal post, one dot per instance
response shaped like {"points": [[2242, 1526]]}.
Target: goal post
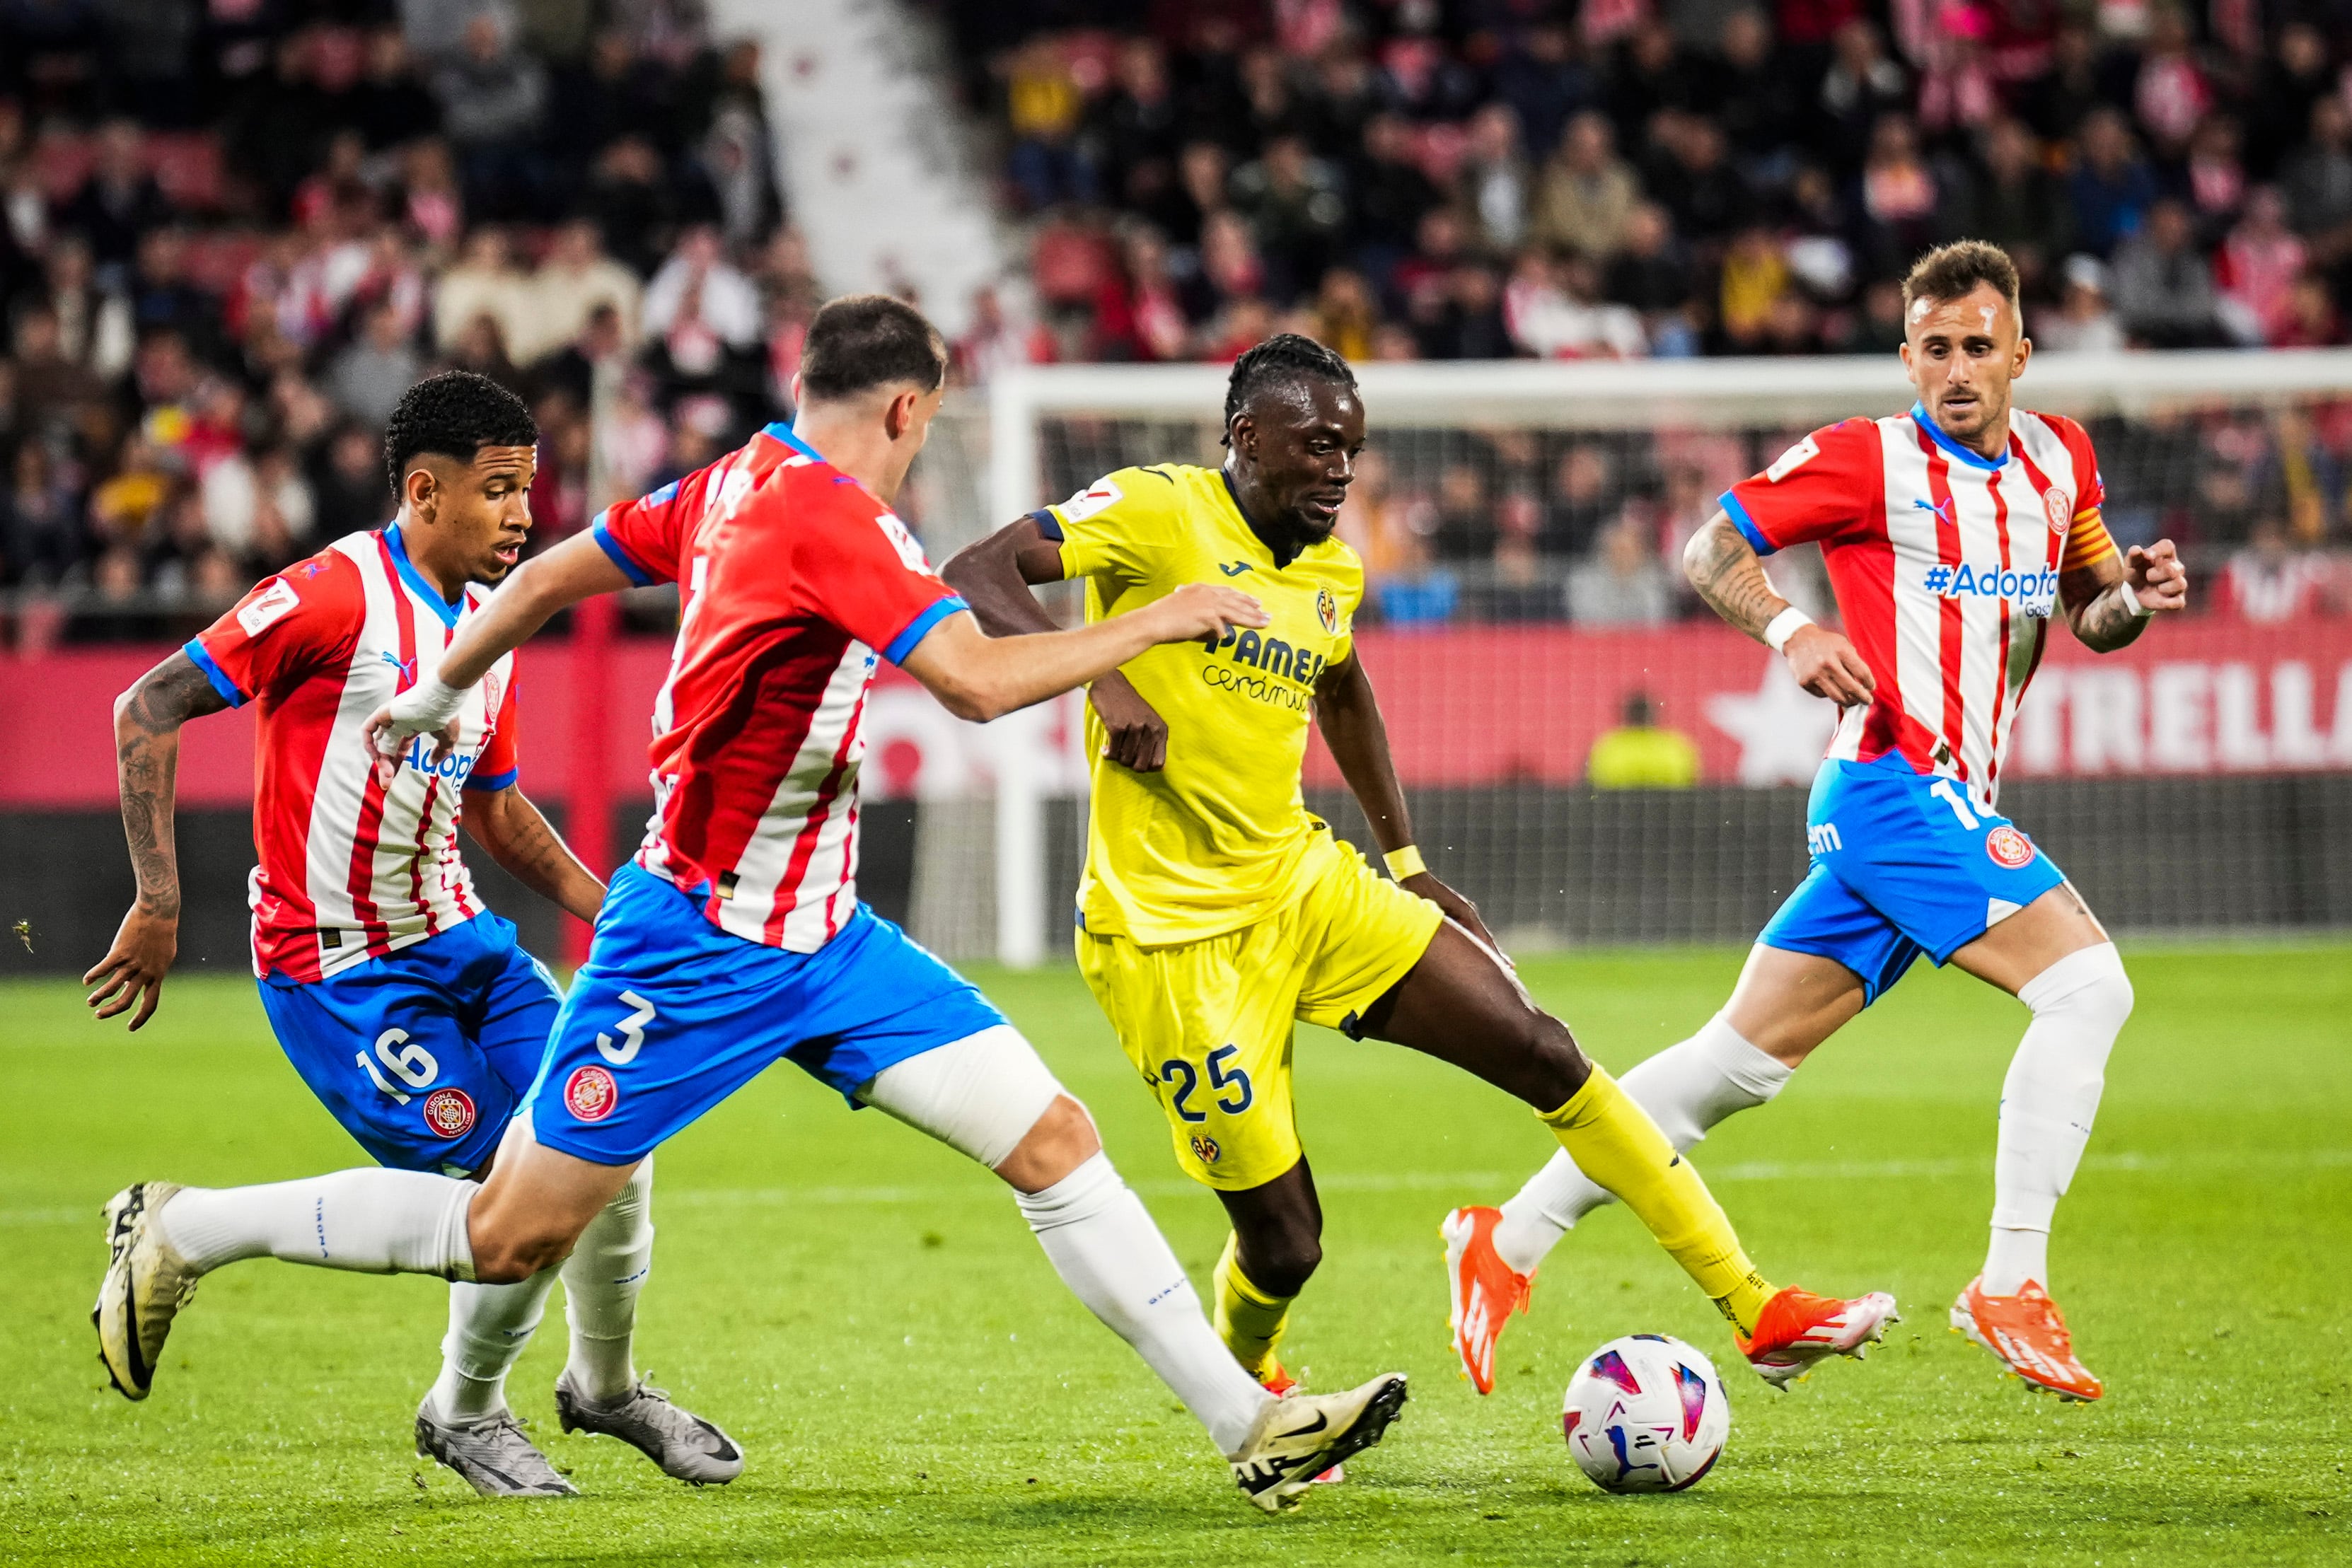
{"points": [[2209, 447]]}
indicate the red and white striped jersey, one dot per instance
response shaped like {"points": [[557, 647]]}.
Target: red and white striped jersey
{"points": [[1945, 567], [790, 575], [349, 869]]}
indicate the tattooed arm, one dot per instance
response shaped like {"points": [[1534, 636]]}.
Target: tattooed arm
{"points": [[505, 823], [147, 720], [1722, 565], [2099, 597]]}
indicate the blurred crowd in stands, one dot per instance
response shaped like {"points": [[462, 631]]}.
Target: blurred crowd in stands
{"points": [[1613, 178], [234, 232]]}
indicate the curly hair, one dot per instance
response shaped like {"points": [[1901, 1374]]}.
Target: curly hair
{"points": [[454, 415], [1286, 356]]}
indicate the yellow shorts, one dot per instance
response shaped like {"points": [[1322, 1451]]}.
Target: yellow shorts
{"points": [[1209, 1023]]}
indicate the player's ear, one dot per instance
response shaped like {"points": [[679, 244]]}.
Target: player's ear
{"points": [[421, 491], [899, 414]]}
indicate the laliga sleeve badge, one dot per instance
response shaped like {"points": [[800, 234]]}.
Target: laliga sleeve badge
{"points": [[449, 1113], [2058, 508], [2009, 848], [590, 1093]]}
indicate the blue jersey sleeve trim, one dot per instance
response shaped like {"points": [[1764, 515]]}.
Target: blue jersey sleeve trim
{"points": [[195, 650], [612, 546], [920, 627], [1746, 523], [493, 783], [1048, 524]]}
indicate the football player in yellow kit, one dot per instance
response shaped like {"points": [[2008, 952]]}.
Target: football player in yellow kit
{"points": [[1215, 910]]}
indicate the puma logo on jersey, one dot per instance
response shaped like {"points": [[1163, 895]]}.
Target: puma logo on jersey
{"points": [[407, 668], [1942, 509]]}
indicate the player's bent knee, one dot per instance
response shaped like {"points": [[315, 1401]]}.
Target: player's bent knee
{"points": [[1062, 1139], [1556, 1069], [2089, 983], [983, 1096], [1282, 1262]]}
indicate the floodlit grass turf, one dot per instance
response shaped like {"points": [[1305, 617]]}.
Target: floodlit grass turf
{"points": [[869, 1318]]}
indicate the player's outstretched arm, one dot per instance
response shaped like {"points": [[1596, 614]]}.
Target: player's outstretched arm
{"points": [[1723, 566], [994, 576], [1348, 714], [977, 676], [519, 839], [575, 570], [147, 720], [2110, 601]]}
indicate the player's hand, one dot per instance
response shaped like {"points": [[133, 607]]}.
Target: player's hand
{"points": [[132, 970], [1455, 907], [388, 732], [1139, 736], [2155, 576], [1825, 664], [1204, 610]]}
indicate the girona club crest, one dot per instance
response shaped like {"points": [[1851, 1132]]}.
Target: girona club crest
{"points": [[2059, 507], [449, 1113], [590, 1093], [2008, 847]]}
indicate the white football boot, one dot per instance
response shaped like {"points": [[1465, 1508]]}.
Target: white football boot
{"points": [[685, 1446], [1298, 1439], [147, 1283], [491, 1454]]}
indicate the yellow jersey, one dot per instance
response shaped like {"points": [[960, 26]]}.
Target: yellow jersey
{"points": [[1219, 838]]}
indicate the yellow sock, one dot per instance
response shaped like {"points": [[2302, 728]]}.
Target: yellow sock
{"points": [[1249, 1321], [1614, 1142]]}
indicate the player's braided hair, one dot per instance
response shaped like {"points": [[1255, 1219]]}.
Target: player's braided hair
{"points": [[1284, 357], [454, 415]]}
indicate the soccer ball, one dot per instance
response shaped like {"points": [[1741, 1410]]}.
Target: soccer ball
{"points": [[1645, 1413]]}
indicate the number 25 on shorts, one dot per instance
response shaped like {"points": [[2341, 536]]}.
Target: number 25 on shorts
{"points": [[1230, 1084]]}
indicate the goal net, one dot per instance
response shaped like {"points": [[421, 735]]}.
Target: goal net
{"points": [[1520, 523]]}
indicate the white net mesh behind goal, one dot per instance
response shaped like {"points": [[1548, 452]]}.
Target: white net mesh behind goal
{"points": [[1520, 524]]}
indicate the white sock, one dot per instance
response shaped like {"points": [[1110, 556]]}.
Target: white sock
{"points": [[2048, 1103], [371, 1221], [1110, 1255], [1686, 1088], [600, 1280], [488, 1327]]}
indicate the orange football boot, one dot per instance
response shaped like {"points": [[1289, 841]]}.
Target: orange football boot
{"points": [[1278, 1383], [2027, 1333], [1485, 1290], [1798, 1327]]}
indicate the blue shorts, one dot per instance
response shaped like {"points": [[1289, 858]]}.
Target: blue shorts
{"points": [[422, 1054], [1903, 863], [671, 1015]]}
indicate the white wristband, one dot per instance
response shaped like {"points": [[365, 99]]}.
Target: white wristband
{"points": [[423, 708], [1784, 626], [2132, 599]]}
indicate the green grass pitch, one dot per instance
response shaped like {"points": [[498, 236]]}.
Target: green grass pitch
{"points": [[869, 1318]]}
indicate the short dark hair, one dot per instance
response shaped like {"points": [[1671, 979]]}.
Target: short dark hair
{"points": [[1286, 356], [1950, 271], [454, 415], [864, 340]]}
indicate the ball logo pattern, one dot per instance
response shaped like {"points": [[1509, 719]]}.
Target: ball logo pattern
{"points": [[1645, 1413]]}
